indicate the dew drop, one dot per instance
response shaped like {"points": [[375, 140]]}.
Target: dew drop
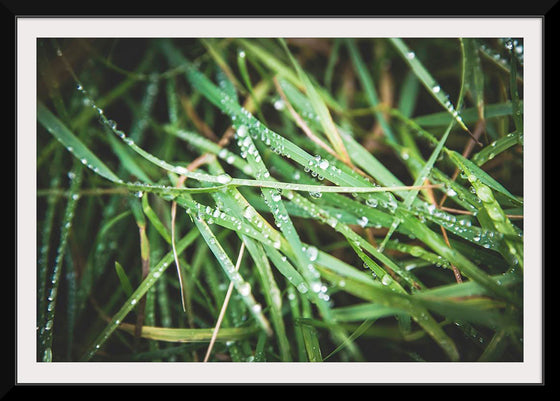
{"points": [[276, 196], [279, 105], [410, 55], [386, 280], [362, 221], [450, 192], [224, 178], [245, 289], [302, 288], [242, 131], [436, 89], [485, 194], [312, 253]]}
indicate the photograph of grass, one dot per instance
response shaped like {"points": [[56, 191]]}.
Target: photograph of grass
{"points": [[280, 200]]}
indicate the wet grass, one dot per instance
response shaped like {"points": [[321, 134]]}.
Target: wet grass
{"points": [[280, 200]]}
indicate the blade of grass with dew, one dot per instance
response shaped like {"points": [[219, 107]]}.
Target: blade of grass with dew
{"points": [[239, 283], [89, 113], [80, 151], [206, 145], [140, 291], [497, 216], [427, 80], [226, 179], [445, 301], [233, 201], [312, 344], [127, 161], [45, 249], [470, 115], [46, 331], [467, 165], [497, 147], [72, 143]]}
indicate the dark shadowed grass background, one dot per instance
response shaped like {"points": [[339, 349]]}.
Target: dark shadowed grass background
{"points": [[232, 199]]}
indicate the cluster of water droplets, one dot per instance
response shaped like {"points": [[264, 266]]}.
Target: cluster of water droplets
{"points": [[316, 285]]}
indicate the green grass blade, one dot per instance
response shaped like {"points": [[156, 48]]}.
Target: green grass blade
{"points": [[46, 331], [428, 81], [123, 279], [54, 126], [320, 109], [312, 345], [369, 87]]}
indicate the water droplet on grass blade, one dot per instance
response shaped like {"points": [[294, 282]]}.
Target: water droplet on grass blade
{"points": [[386, 280], [224, 178], [362, 221], [242, 131], [485, 194], [312, 253], [279, 104], [245, 289]]}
